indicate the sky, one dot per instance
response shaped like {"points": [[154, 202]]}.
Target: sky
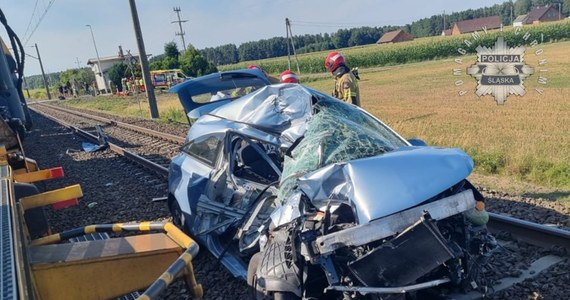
{"points": [[58, 26]]}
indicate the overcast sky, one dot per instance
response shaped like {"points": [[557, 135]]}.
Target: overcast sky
{"points": [[62, 36]]}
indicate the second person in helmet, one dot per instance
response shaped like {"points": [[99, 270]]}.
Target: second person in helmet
{"points": [[346, 84], [288, 76]]}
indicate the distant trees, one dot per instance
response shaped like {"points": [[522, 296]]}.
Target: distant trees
{"points": [[277, 46], [194, 64], [565, 8], [171, 50], [221, 55], [118, 72], [168, 60], [522, 7], [78, 76], [191, 61]]}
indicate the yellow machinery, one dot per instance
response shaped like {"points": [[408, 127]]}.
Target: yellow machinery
{"points": [[44, 268]]}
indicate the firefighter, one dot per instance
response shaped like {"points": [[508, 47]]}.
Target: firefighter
{"points": [[271, 79], [346, 84], [289, 76]]}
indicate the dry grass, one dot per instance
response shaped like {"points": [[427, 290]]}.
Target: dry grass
{"points": [[517, 138]]}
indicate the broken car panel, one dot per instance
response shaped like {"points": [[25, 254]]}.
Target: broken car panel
{"points": [[321, 199]]}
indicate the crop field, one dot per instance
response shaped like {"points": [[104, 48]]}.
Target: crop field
{"points": [[418, 50], [527, 138]]}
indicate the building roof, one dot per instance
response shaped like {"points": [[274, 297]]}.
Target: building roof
{"points": [[521, 18], [92, 61], [536, 13], [391, 35], [478, 24]]}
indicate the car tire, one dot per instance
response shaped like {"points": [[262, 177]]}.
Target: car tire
{"points": [[252, 282]]}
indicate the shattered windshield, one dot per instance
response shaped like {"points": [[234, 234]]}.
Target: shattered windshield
{"points": [[336, 133]]}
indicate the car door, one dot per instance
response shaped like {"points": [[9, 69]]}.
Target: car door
{"points": [[197, 161]]}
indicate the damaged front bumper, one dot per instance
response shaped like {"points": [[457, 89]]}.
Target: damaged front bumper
{"points": [[395, 266], [393, 224]]}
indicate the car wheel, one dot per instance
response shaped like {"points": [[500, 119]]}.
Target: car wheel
{"points": [[252, 282], [177, 216]]}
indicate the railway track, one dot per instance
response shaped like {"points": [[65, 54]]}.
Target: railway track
{"points": [[141, 145], [540, 247]]}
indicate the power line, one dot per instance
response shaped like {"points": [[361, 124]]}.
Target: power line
{"points": [[31, 18], [39, 21]]}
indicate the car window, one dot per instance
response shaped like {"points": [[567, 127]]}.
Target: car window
{"points": [[251, 165], [205, 148], [224, 94], [212, 89]]}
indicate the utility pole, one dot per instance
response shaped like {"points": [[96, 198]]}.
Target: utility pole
{"points": [[290, 40], [43, 73], [149, 88], [181, 33], [288, 45], [99, 65], [444, 20], [77, 62]]}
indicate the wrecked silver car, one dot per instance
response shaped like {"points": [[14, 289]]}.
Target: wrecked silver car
{"points": [[308, 197]]}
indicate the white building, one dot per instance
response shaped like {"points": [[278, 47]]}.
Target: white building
{"points": [[106, 64], [520, 21]]}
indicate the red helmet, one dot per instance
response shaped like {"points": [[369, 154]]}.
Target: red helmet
{"points": [[289, 77], [333, 61], [251, 67]]}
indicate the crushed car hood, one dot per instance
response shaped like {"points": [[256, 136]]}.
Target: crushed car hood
{"points": [[382, 185]]}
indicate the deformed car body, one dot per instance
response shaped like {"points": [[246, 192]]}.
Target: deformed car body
{"points": [[306, 196], [203, 94]]}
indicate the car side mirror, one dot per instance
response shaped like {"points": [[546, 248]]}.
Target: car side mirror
{"points": [[417, 142]]}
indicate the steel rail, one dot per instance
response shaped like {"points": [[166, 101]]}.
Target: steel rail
{"points": [[156, 168], [153, 133], [529, 232]]}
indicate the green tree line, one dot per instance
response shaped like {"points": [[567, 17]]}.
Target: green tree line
{"points": [[422, 49], [80, 76], [431, 26]]}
